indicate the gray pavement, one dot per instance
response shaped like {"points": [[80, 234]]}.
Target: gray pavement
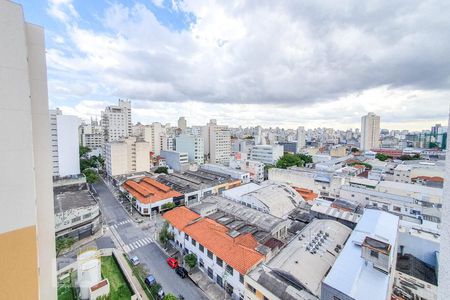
{"points": [[138, 240]]}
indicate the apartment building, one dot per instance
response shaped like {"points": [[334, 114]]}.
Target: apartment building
{"points": [[65, 143], [182, 124], [92, 136], [155, 135], [127, 156], [177, 161], [217, 140], [116, 121], [194, 146], [27, 228], [267, 154], [301, 139], [370, 132]]}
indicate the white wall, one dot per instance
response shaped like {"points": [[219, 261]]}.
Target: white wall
{"points": [[68, 145]]}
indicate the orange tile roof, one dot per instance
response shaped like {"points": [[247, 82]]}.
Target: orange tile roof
{"points": [[307, 194], [237, 252], [429, 178], [149, 190]]}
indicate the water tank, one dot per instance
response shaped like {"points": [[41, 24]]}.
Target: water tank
{"points": [[89, 270]]}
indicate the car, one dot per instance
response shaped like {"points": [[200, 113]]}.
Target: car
{"points": [[172, 262], [150, 280], [135, 261], [181, 271], [161, 293]]}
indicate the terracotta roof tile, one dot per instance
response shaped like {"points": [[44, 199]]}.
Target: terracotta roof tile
{"points": [[149, 190]]}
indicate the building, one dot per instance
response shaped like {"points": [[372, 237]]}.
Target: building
{"points": [[277, 199], [297, 271], [149, 195], [127, 156], [177, 161], [65, 144], [370, 131], [267, 154], [254, 168], [27, 228], [77, 213], [182, 124], [289, 146], [194, 146], [92, 136], [301, 139], [116, 121], [217, 140], [155, 135], [366, 264], [243, 176]]}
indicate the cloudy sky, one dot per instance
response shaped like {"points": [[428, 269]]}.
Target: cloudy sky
{"points": [[272, 63]]}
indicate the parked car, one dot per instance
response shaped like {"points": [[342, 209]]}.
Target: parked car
{"points": [[135, 261], [172, 262], [161, 293], [150, 280], [181, 271]]}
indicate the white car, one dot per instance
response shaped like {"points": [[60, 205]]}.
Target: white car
{"points": [[135, 260]]}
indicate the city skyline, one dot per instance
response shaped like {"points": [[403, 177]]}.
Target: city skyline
{"points": [[154, 54]]}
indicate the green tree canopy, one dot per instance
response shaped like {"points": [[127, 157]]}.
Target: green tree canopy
{"points": [[162, 170], [290, 160], [191, 260], [165, 235], [382, 157]]}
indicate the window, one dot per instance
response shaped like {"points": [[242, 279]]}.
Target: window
{"points": [[186, 236], [241, 278], [219, 261], [229, 269], [396, 208], [229, 289], [210, 273], [219, 280], [374, 253], [201, 263], [200, 246], [210, 254], [194, 242], [251, 289], [76, 219]]}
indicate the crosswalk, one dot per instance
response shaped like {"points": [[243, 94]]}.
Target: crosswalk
{"points": [[137, 244], [121, 223]]}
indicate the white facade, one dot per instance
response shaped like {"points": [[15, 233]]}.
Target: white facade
{"points": [[217, 140], [301, 139], [128, 156], [116, 121], [268, 154], [155, 135], [91, 136], [370, 131], [68, 146], [177, 161], [193, 146]]}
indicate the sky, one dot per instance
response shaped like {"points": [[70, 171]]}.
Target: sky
{"points": [[272, 63]]}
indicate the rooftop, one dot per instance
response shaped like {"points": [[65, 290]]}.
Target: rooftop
{"points": [[148, 190], [238, 252], [411, 188], [72, 197], [351, 274]]}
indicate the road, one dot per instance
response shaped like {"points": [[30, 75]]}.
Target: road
{"points": [[139, 242]]}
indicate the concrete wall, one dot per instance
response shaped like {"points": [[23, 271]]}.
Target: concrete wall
{"points": [[68, 145]]}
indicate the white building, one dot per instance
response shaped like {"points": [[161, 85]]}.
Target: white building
{"points": [[253, 167], [370, 132], [177, 161], [116, 121], [155, 135], [182, 124], [194, 146], [65, 144], [243, 176], [91, 136], [301, 139], [365, 266], [217, 140], [127, 156], [27, 228], [268, 154]]}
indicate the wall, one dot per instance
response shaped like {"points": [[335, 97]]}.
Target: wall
{"points": [[68, 145]]}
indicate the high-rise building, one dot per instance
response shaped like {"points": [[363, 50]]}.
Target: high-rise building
{"points": [[217, 140], [65, 143], [155, 135], [268, 154], [116, 121], [182, 124], [370, 131], [127, 156], [27, 228], [301, 138], [194, 146], [91, 136]]}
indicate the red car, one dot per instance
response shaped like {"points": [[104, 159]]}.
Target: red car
{"points": [[172, 262]]}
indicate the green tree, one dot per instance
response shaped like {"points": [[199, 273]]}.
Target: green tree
{"points": [[289, 160], [165, 235], [63, 243], [168, 206], [191, 260], [84, 151], [353, 150], [162, 170], [170, 296], [91, 175], [382, 157]]}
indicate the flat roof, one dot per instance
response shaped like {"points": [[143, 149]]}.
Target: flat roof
{"points": [[324, 207], [72, 197], [414, 188], [350, 273]]}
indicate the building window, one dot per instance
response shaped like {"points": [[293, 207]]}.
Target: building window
{"points": [[219, 281], [251, 289], [229, 289], [219, 261], [374, 253], [241, 278], [194, 242], [186, 236], [201, 263], [200, 246], [210, 273], [76, 219], [210, 254], [229, 269]]}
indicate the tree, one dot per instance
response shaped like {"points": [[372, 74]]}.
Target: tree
{"points": [[168, 206], [165, 235], [162, 170], [170, 296], [382, 157], [191, 260], [63, 243], [353, 150], [409, 157], [289, 160], [91, 175], [84, 151]]}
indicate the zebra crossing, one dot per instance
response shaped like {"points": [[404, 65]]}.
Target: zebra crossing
{"points": [[121, 223], [137, 244]]}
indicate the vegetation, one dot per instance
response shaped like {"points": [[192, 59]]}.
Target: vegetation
{"points": [[165, 235], [290, 160], [63, 243], [89, 166], [91, 175], [382, 157], [368, 166], [267, 167], [84, 151], [162, 170], [409, 157], [119, 288], [66, 290], [191, 260], [168, 206], [249, 137], [170, 296], [353, 150]]}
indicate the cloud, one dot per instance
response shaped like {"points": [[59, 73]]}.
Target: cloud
{"points": [[309, 54]]}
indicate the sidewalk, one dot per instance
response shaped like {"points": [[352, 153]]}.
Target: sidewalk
{"points": [[130, 276], [212, 290]]}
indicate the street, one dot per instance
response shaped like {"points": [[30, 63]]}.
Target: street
{"points": [[139, 242]]}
